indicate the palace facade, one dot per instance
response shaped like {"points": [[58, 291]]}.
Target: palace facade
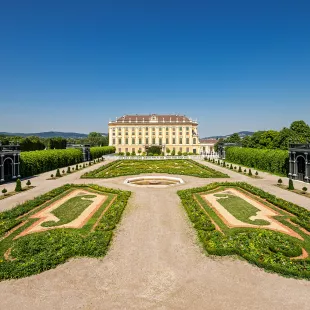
{"points": [[136, 133]]}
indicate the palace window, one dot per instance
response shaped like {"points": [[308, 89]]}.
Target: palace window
{"points": [[160, 141], [113, 141], [146, 140], [120, 141], [187, 140], [194, 141], [167, 140], [173, 141], [153, 140], [126, 141], [180, 141], [133, 141]]}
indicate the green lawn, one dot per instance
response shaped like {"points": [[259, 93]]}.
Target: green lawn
{"points": [[70, 210], [240, 209], [134, 167]]}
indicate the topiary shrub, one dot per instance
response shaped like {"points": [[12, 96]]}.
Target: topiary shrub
{"points": [[4, 191], [256, 173], [231, 167], [68, 170], [28, 183], [244, 170], [52, 176], [290, 185], [235, 168], [280, 181], [250, 172], [76, 167], [239, 170], [58, 175], [63, 171], [18, 187], [304, 190]]}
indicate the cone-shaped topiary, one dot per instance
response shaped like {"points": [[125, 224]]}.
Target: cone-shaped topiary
{"points": [[290, 184], [231, 167], [239, 170], [58, 175], [76, 167], [250, 172], [18, 187], [68, 170]]}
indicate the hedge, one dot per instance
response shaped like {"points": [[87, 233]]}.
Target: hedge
{"points": [[98, 151], [274, 161], [36, 162]]}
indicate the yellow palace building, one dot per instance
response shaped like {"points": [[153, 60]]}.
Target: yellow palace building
{"points": [[136, 133]]}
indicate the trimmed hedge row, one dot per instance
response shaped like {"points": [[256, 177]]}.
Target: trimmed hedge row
{"points": [[98, 151], [274, 161], [32, 163], [42, 251], [267, 249]]}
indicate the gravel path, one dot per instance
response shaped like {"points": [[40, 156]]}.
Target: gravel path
{"points": [[155, 262]]}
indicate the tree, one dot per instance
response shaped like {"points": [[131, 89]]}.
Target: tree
{"points": [[168, 150], [173, 153], [290, 184], [234, 138], [18, 187], [268, 139], [97, 139]]}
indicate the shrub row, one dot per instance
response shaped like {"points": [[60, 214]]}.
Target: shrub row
{"points": [[267, 249], [274, 161], [41, 161], [98, 151]]}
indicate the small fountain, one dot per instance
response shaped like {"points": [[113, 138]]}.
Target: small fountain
{"points": [[153, 181]]}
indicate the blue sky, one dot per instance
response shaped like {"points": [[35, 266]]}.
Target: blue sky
{"points": [[233, 65]]}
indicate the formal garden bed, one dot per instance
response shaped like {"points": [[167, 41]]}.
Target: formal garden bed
{"points": [[134, 167], [70, 221], [240, 219]]}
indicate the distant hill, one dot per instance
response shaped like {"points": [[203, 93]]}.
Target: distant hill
{"points": [[49, 134], [242, 134]]}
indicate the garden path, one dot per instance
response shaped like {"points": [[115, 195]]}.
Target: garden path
{"points": [[155, 263]]}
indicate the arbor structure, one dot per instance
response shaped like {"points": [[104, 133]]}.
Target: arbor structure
{"points": [[9, 162], [299, 163]]}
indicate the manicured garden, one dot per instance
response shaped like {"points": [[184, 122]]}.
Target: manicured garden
{"points": [[23, 253], [269, 249], [134, 167]]}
